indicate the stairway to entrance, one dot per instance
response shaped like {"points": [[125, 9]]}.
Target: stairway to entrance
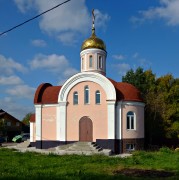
{"points": [[87, 148]]}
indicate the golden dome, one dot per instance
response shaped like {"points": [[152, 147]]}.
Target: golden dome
{"points": [[93, 42]]}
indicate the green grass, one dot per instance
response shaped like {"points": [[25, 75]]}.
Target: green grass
{"points": [[16, 165]]}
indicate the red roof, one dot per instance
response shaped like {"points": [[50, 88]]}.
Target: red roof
{"points": [[32, 118], [126, 91], [47, 94]]}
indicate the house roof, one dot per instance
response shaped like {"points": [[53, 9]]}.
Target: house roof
{"points": [[4, 114], [32, 118], [48, 94], [126, 92]]}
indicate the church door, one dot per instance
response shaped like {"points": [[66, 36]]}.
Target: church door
{"points": [[85, 129]]}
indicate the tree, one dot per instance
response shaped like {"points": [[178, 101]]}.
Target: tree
{"points": [[161, 97], [26, 119]]}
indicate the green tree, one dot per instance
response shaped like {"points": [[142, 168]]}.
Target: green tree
{"points": [[26, 119], [161, 97]]}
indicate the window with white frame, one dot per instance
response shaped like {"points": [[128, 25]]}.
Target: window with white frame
{"points": [[98, 97], [75, 97], [130, 147], [100, 62], [86, 95], [91, 61], [130, 120]]}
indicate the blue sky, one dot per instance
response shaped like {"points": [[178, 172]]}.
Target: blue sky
{"points": [[137, 33]]}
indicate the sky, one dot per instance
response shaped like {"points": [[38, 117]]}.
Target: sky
{"points": [[137, 33]]}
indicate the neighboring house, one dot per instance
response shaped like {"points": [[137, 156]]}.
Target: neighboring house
{"points": [[89, 107], [9, 125]]}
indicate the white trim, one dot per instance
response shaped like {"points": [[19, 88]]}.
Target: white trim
{"points": [[87, 76], [38, 119], [132, 103], [93, 51], [119, 121], [49, 105], [111, 119], [58, 124], [61, 121], [134, 116], [31, 132]]}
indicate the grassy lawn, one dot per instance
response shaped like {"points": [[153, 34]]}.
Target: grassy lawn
{"points": [[16, 165]]}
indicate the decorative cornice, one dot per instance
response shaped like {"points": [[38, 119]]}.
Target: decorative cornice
{"points": [[87, 76]]}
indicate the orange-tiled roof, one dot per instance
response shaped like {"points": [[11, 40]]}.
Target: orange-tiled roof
{"points": [[46, 94], [126, 91], [32, 118]]}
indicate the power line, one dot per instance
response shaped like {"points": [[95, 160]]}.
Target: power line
{"points": [[33, 18]]}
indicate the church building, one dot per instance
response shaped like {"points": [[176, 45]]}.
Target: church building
{"points": [[89, 107]]}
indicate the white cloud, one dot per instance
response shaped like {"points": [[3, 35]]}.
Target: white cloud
{"points": [[11, 80], [24, 5], [8, 66], [21, 91], [118, 57], [17, 110], [135, 55], [168, 10], [72, 17], [38, 43], [122, 68], [101, 19], [58, 64], [68, 38]]}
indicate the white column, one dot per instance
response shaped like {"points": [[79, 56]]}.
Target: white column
{"points": [[111, 119], [118, 121], [31, 132], [38, 119], [61, 121]]}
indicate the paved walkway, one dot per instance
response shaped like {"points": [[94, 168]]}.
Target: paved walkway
{"points": [[76, 148]]}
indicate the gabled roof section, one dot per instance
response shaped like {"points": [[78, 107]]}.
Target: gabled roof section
{"points": [[47, 94], [4, 114], [126, 92], [32, 118]]}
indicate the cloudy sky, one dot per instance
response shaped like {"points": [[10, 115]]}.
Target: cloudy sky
{"points": [[137, 33]]}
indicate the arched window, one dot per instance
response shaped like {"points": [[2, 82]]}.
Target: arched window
{"points": [[86, 95], [100, 62], [98, 97], [91, 61], [130, 120], [75, 97]]}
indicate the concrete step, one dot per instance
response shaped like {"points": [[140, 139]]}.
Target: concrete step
{"points": [[87, 148]]}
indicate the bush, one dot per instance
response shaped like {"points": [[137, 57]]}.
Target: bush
{"points": [[165, 150]]}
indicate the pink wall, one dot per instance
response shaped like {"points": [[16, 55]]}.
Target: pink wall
{"points": [[97, 113], [49, 123], [139, 131]]}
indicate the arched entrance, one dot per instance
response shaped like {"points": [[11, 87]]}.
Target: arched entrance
{"points": [[85, 129]]}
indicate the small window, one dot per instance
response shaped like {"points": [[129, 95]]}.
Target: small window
{"points": [[130, 120], [91, 61], [98, 97], [17, 124], [86, 95], [130, 147], [8, 123], [75, 97], [100, 62]]}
